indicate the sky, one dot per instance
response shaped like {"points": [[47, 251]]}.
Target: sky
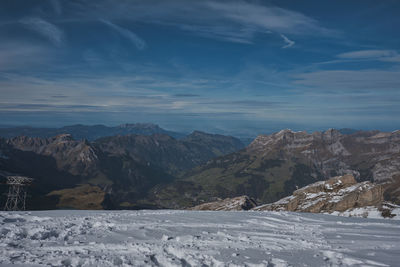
{"points": [[234, 67]]}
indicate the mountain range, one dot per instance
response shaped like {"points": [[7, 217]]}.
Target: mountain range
{"points": [[156, 170], [110, 172], [93, 132], [89, 132]]}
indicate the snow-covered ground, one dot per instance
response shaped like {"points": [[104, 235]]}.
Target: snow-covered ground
{"points": [[195, 238]]}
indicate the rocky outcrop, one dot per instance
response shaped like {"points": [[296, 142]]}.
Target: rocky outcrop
{"points": [[338, 194], [341, 196], [228, 204]]}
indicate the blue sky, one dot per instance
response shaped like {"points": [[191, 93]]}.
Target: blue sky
{"points": [[235, 67]]}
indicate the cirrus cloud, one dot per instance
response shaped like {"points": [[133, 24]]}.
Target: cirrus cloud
{"points": [[44, 28], [132, 37], [381, 55]]}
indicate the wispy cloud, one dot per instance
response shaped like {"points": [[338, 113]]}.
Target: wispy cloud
{"points": [[19, 56], [225, 33], [247, 104], [192, 77], [136, 40], [119, 93], [186, 95], [223, 20], [288, 42], [381, 55], [49, 107], [44, 28], [266, 17], [345, 80], [56, 6]]}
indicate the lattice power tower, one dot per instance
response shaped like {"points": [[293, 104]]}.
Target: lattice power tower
{"points": [[17, 189]]}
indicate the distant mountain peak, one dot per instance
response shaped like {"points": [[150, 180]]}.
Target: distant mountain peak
{"points": [[298, 138], [63, 137], [199, 133], [140, 125], [331, 133], [283, 132]]}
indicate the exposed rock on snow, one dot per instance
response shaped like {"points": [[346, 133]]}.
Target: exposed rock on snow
{"points": [[387, 210], [237, 203], [338, 194]]}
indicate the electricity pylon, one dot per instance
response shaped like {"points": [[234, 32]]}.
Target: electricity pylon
{"points": [[17, 187]]}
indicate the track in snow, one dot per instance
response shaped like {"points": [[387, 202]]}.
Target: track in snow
{"points": [[195, 238]]}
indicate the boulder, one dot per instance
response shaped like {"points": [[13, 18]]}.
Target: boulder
{"points": [[228, 204]]}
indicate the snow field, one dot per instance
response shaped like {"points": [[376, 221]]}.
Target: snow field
{"points": [[195, 238]]}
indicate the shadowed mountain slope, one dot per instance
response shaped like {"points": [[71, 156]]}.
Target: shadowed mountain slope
{"points": [[113, 172]]}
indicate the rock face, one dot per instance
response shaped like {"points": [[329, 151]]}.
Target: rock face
{"points": [[371, 155], [75, 157], [228, 204], [338, 194], [273, 166], [169, 154]]}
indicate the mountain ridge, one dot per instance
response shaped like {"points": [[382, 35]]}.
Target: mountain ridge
{"points": [[273, 166], [117, 171], [90, 132]]}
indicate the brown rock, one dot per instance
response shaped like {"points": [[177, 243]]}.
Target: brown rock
{"points": [[336, 194], [228, 204]]}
